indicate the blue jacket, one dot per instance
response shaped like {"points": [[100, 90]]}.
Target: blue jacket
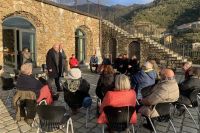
{"points": [[143, 79]]}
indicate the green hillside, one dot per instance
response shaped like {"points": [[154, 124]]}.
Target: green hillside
{"points": [[169, 13]]}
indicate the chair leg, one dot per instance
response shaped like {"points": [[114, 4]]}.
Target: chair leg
{"points": [[190, 115], [172, 125], [70, 122], [154, 129], [102, 128], [133, 128]]}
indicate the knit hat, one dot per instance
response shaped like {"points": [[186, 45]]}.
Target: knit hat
{"points": [[74, 73]]}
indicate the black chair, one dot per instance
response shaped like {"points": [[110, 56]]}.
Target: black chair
{"points": [[53, 118], [164, 111], [75, 101], [8, 85], [119, 117]]}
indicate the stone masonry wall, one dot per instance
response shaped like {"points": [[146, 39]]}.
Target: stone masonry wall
{"points": [[53, 25]]}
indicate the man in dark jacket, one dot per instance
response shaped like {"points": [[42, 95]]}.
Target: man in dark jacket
{"points": [[190, 88], [54, 65]]}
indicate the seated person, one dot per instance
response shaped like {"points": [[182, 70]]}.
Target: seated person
{"points": [[187, 66], [76, 90], [121, 96], [94, 62], [190, 88], [28, 89], [73, 62], [45, 92], [144, 78], [166, 90], [106, 81]]}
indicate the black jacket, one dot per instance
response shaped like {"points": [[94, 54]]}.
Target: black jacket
{"points": [[75, 99], [105, 83], [28, 83], [51, 64]]}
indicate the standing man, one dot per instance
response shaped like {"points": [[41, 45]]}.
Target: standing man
{"points": [[63, 61], [53, 61], [94, 62]]}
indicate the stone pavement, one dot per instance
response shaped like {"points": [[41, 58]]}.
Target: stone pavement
{"points": [[183, 124]]}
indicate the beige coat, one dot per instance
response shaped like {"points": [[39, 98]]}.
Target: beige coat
{"points": [[21, 95], [164, 91]]}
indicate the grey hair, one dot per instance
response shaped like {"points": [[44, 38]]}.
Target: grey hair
{"points": [[27, 68], [122, 82]]}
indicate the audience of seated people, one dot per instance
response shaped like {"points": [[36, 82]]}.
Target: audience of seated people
{"points": [[144, 78], [76, 90], [106, 80], [121, 96], [166, 90], [28, 88], [190, 87]]}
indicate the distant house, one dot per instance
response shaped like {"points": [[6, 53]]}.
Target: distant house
{"points": [[193, 25]]}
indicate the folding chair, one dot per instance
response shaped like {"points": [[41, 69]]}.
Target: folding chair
{"points": [[53, 118], [166, 115], [194, 102], [119, 118]]}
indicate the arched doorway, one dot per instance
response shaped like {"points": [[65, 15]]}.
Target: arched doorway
{"points": [[80, 48], [18, 33], [134, 49], [112, 49]]}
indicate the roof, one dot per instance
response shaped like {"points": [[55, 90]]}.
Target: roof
{"points": [[66, 8]]}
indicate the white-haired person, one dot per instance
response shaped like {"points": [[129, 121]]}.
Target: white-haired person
{"points": [[144, 78], [28, 88], [121, 96], [76, 90]]}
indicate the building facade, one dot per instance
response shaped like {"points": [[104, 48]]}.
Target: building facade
{"points": [[39, 24]]}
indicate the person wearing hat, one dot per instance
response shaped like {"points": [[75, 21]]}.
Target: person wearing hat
{"points": [[166, 90], [76, 90]]}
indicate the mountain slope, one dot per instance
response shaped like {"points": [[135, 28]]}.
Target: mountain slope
{"points": [[169, 13]]}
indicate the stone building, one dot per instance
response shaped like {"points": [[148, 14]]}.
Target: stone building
{"points": [[38, 24]]}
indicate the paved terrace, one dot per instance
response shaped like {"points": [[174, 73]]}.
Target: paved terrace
{"points": [[183, 124]]}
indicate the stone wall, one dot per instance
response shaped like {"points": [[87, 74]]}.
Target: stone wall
{"points": [[53, 24], [123, 41]]}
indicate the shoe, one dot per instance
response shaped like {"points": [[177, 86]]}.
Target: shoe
{"points": [[147, 126]]}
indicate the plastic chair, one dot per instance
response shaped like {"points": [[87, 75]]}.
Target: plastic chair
{"points": [[166, 115], [119, 118], [53, 118]]}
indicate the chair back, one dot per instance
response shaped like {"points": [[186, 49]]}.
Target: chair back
{"points": [[51, 117], [118, 117], [164, 111]]}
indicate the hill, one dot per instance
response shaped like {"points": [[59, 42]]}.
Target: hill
{"points": [[169, 13]]}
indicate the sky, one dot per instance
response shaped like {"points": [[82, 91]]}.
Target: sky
{"points": [[107, 2]]}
